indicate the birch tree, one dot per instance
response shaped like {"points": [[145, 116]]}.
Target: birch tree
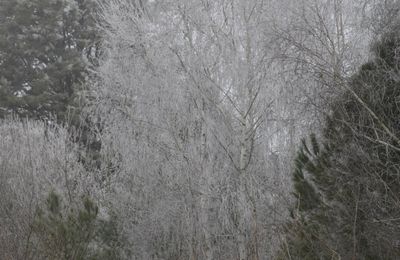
{"points": [[200, 102], [187, 82]]}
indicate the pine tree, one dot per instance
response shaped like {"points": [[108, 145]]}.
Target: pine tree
{"points": [[61, 231], [347, 184], [43, 48]]}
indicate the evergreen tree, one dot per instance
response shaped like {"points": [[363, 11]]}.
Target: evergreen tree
{"points": [[348, 184], [61, 232], [43, 48]]}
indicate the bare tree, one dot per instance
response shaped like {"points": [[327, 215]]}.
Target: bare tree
{"points": [[35, 158], [190, 79], [201, 103]]}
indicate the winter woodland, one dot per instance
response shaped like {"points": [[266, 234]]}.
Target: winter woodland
{"points": [[199, 129]]}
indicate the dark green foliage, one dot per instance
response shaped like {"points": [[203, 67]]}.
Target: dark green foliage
{"points": [[46, 47], [348, 185], [42, 48], [69, 233]]}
